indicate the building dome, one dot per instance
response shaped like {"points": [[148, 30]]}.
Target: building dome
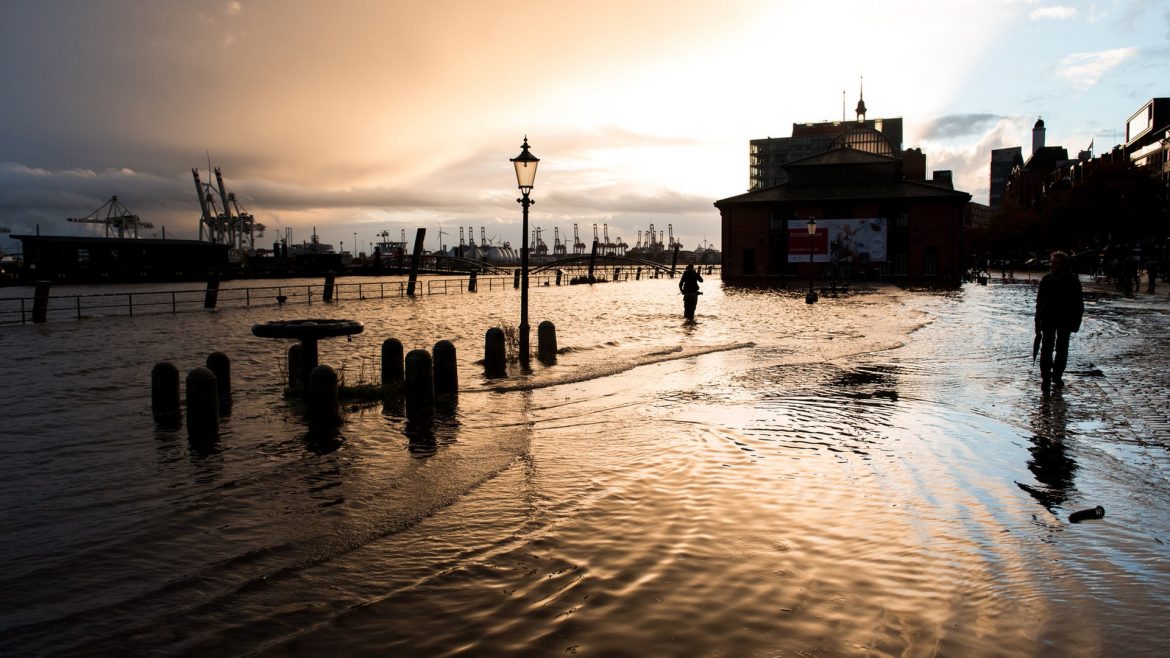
{"points": [[864, 139]]}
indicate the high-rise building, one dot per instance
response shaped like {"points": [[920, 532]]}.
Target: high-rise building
{"points": [[1002, 162]]}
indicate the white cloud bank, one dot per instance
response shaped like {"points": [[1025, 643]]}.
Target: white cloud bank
{"points": [[1053, 12], [1085, 69]]}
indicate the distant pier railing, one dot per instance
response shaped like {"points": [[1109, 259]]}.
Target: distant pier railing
{"points": [[20, 310]]}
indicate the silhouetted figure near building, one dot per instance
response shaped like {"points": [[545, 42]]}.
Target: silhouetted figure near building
{"points": [[1151, 274], [688, 285], [1060, 306]]}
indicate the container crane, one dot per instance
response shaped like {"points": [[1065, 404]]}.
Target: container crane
{"points": [[558, 246], [117, 216], [578, 246]]}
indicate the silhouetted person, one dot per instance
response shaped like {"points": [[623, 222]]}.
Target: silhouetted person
{"points": [[1151, 274], [688, 285], [1060, 305]]}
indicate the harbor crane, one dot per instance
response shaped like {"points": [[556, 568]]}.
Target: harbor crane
{"points": [[117, 217], [225, 222], [673, 243], [578, 246], [559, 248]]}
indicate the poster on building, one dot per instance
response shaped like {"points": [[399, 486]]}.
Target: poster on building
{"points": [[838, 241]]}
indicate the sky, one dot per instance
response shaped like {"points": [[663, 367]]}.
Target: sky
{"points": [[356, 117]]}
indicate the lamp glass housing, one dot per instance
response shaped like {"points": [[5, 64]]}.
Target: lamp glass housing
{"points": [[525, 164]]}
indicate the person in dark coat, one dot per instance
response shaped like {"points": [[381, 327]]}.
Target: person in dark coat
{"points": [[688, 285], [1060, 306]]}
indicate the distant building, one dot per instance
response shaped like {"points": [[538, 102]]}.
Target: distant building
{"points": [[1029, 182], [873, 220], [100, 260], [1002, 163], [768, 156], [1147, 139]]}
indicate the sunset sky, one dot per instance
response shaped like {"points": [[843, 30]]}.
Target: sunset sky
{"points": [[363, 116]]}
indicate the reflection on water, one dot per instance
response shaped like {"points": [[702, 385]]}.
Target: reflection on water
{"points": [[874, 474], [1050, 461]]}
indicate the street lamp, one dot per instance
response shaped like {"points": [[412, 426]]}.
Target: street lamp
{"points": [[811, 297], [525, 164]]}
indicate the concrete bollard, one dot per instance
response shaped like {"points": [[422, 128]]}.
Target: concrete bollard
{"points": [[295, 369], [559, 275], [546, 342], [40, 313], [392, 373], [324, 405], [494, 355], [327, 293], [420, 387], [221, 365], [446, 370], [164, 394], [211, 295], [202, 405], [516, 279], [471, 282]]}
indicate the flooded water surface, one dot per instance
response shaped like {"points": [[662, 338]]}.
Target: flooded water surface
{"points": [[875, 474]]}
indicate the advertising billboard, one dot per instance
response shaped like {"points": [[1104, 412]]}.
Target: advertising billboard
{"points": [[838, 241]]}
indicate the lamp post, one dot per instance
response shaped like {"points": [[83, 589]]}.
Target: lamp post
{"points": [[525, 164], [811, 297]]}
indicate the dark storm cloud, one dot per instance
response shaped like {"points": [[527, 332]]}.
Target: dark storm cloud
{"points": [[958, 125]]}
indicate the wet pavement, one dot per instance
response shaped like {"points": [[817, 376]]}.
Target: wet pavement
{"points": [[1140, 393]]}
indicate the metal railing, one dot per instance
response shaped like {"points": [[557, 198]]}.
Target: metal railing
{"points": [[19, 310]]}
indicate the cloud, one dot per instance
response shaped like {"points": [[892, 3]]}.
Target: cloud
{"points": [[957, 125], [1085, 69], [1053, 12]]}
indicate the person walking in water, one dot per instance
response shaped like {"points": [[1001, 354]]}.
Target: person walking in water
{"points": [[1060, 306], [688, 285]]}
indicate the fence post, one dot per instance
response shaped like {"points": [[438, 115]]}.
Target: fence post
{"points": [[494, 353], [164, 394], [446, 377], [211, 296], [392, 369], [546, 342], [415, 260], [420, 387], [327, 295], [202, 405], [40, 311]]}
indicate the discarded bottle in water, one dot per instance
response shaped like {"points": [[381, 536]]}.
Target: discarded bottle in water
{"points": [[1087, 514]]}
